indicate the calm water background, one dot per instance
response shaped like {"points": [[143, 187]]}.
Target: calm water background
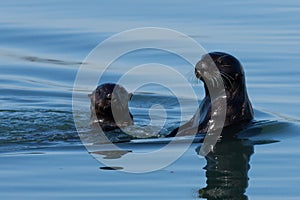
{"points": [[42, 44]]}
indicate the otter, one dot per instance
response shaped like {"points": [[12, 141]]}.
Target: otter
{"points": [[109, 107], [230, 77]]}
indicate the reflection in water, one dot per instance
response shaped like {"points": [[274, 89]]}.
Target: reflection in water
{"points": [[112, 154], [227, 170]]}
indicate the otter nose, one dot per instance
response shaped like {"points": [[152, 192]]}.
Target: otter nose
{"points": [[201, 68], [198, 70]]}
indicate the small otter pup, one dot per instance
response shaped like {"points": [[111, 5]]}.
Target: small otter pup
{"points": [[228, 76], [109, 107]]}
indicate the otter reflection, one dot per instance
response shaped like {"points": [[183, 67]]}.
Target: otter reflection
{"points": [[227, 170]]}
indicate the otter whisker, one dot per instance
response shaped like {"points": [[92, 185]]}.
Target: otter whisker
{"points": [[195, 79], [212, 82], [228, 84], [218, 78], [227, 77], [222, 77], [215, 81], [191, 77]]}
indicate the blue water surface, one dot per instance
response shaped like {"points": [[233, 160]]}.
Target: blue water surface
{"points": [[44, 43]]}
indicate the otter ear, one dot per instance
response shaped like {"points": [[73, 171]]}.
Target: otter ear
{"points": [[130, 96]]}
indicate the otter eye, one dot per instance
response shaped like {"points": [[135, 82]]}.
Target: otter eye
{"points": [[108, 96], [225, 65]]}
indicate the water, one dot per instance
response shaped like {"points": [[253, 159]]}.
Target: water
{"points": [[43, 44]]}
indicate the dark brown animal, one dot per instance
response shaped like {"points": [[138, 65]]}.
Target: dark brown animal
{"points": [[109, 107], [220, 72]]}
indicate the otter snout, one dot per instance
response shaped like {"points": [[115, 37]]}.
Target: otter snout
{"points": [[202, 70]]}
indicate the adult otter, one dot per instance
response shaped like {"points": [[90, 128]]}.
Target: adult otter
{"points": [[109, 107], [230, 76]]}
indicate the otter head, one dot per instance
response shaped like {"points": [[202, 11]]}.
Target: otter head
{"points": [[217, 68], [221, 71], [109, 106]]}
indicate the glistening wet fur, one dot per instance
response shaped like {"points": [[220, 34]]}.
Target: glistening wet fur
{"points": [[230, 77], [109, 107]]}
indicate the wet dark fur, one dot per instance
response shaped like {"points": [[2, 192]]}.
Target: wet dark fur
{"points": [[239, 110], [109, 107]]}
